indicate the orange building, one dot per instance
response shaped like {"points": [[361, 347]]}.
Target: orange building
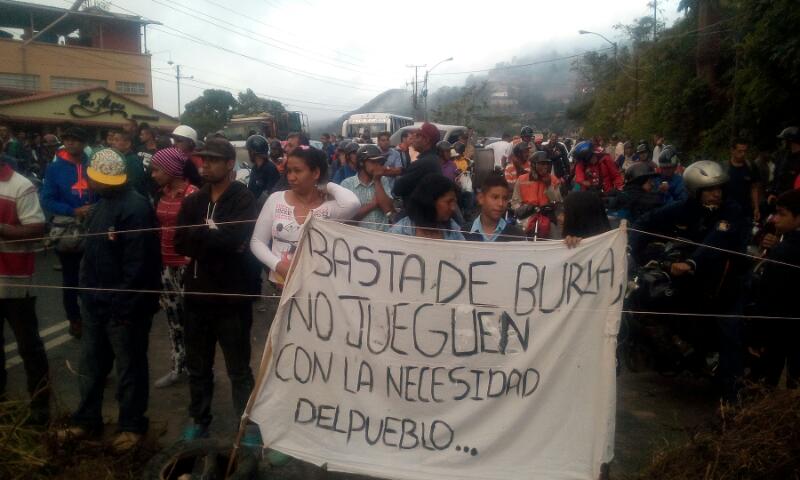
{"points": [[54, 62], [70, 50]]}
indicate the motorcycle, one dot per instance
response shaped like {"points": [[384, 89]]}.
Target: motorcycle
{"points": [[669, 344], [540, 219]]}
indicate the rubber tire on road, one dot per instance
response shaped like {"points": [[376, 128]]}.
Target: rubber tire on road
{"points": [[157, 467]]}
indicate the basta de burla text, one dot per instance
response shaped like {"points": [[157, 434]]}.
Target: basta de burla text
{"points": [[370, 328]]}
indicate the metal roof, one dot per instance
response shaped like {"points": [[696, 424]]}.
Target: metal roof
{"points": [[20, 15]]}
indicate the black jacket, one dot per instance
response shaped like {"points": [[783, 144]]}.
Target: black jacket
{"points": [[263, 178], [777, 284], [786, 171], [716, 272], [221, 261], [508, 234], [635, 202], [125, 261], [426, 163]]}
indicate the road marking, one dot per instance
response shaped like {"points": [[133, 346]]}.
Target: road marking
{"points": [[42, 333], [11, 362]]}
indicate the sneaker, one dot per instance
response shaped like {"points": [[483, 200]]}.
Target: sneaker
{"points": [[252, 437], [64, 435], [169, 379], [125, 441], [277, 459], [194, 431]]}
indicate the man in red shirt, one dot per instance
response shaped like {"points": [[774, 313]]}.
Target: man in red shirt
{"points": [[599, 173], [21, 218]]}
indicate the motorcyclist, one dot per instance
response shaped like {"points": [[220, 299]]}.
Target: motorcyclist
{"points": [[787, 169], [263, 173], [348, 169], [637, 197], [536, 189], [598, 172], [518, 162], [642, 153], [557, 152], [669, 181], [712, 277]]}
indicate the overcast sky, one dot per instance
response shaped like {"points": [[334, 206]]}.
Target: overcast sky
{"points": [[326, 57]]}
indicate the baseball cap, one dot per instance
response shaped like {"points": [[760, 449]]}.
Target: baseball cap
{"points": [[107, 167], [75, 132], [429, 131], [217, 148]]}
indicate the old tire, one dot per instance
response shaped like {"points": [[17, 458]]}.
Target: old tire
{"points": [[201, 459]]}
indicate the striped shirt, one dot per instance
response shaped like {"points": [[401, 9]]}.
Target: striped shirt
{"points": [[167, 212], [19, 205]]}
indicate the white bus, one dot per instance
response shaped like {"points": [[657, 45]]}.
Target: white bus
{"points": [[374, 123]]}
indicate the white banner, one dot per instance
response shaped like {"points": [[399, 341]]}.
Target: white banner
{"points": [[402, 357]]}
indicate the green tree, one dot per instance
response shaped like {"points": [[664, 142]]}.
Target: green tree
{"points": [[251, 104], [209, 112]]}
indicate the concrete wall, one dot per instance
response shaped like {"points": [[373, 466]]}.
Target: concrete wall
{"points": [[48, 61]]}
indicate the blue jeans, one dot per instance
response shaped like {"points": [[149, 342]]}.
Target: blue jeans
{"points": [[103, 344]]}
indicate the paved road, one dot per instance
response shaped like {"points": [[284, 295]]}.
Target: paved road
{"points": [[651, 409]]}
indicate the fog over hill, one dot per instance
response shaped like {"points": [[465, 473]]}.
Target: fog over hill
{"points": [[534, 88]]}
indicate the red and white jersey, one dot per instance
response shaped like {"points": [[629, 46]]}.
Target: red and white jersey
{"points": [[19, 205]]}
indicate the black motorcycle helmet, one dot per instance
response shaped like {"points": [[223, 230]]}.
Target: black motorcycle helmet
{"points": [[370, 152], [526, 131], [257, 144], [668, 157], [639, 173], [341, 145], [443, 146], [351, 147], [790, 134]]}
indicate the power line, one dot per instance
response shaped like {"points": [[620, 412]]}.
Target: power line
{"points": [[275, 66], [270, 97], [268, 42], [227, 9], [191, 67], [539, 62], [284, 68]]}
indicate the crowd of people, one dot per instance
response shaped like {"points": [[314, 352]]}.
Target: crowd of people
{"points": [[146, 212]]}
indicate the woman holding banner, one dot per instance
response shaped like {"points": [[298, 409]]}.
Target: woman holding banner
{"points": [[278, 228], [430, 208]]}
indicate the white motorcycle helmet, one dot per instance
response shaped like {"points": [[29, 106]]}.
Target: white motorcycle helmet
{"points": [[185, 131], [703, 174]]}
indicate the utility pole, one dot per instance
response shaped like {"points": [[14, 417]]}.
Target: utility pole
{"points": [[415, 89], [178, 77], [655, 19]]}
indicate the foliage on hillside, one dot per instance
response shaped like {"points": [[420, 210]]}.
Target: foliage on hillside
{"points": [[727, 69]]}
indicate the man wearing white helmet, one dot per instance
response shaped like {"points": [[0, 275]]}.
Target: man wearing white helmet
{"points": [[709, 279], [185, 138]]}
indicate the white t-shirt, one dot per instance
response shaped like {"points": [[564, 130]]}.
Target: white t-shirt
{"points": [[277, 231], [499, 148]]}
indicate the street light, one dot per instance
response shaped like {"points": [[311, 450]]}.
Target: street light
{"points": [[613, 44], [425, 88]]}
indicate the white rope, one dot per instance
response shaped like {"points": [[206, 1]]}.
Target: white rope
{"points": [[393, 301]]}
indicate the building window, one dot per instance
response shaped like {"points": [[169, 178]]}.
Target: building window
{"points": [[19, 81], [66, 83], [134, 88]]}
